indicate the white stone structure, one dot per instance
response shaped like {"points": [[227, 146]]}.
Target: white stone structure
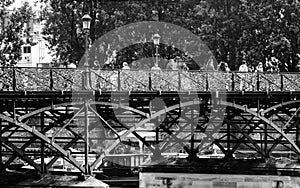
{"points": [[37, 55]]}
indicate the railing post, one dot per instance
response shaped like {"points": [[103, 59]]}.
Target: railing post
{"points": [[14, 79], [232, 81], [51, 79], [281, 80], [87, 85], [150, 81], [206, 80], [119, 80], [86, 146], [83, 79], [90, 79], [257, 81], [1, 162], [179, 81]]}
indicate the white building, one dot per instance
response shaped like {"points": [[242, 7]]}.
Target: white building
{"points": [[37, 55]]}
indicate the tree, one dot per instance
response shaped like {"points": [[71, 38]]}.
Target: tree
{"points": [[15, 26], [63, 24], [233, 29]]}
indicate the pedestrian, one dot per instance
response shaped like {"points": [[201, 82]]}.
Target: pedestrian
{"points": [[222, 67], [156, 67], [210, 65], [259, 67], [227, 69], [185, 80], [172, 65], [243, 69], [125, 66]]}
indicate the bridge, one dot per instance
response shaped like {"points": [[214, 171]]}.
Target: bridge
{"points": [[49, 112]]}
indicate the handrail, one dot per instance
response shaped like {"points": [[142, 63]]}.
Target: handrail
{"points": [[44, 79], [189, 77], [105, 79], [249, 82], [269, 81], [292, 81], [128, 75], [156, 73]]}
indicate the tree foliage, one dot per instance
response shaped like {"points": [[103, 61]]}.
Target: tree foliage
{"points": [[15, 28], [235, 30]]}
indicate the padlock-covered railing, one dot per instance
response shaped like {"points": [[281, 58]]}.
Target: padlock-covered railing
{"points": [[55, 79]]}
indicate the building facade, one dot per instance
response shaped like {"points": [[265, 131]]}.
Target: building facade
{"points": [[37, 55]]}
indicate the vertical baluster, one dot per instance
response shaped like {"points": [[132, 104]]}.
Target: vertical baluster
{"points": [[281, 80], [14, 79], [206, 81], [232, 81], [257, 81], [179, 81], [83, 74], [51, 79], [119, 80], [90, 80], [150, 81]]}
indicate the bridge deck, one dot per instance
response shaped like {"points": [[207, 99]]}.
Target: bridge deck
{"points": [[55, 110]]}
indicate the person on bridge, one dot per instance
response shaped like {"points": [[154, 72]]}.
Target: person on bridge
{"points": [[243, 69], [227, 69], [223, 67], [172, 65], [125, 66], [156, 67], [259, 67], [210, 64]]}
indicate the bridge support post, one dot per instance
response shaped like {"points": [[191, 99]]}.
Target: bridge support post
{"points": [[43, 165], [192, 155], [86, 149], [156, 154], [86, 81], [1, 162], [297, 133], [192, 151]]}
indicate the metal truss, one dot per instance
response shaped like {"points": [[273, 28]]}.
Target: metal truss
{"points": [[240, 125]]}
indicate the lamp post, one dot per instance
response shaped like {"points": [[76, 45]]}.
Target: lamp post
{"points": [[156, 39], [86, 23]]}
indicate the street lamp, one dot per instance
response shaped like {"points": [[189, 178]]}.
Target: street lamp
{"points": [[156, 39], [86, 23]]}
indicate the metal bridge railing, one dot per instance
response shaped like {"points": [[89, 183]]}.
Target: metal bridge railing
{"points": [[54, 79]]}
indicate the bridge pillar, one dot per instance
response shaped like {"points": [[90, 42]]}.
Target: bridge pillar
{"points": [[156, 154], [86, 81], [192, 155], [1, 162], [86, 149], [228, 155], [192, 151], [297, 129], [43, 164]]}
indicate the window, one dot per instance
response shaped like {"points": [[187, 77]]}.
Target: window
{"points": [[27, 49]]}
